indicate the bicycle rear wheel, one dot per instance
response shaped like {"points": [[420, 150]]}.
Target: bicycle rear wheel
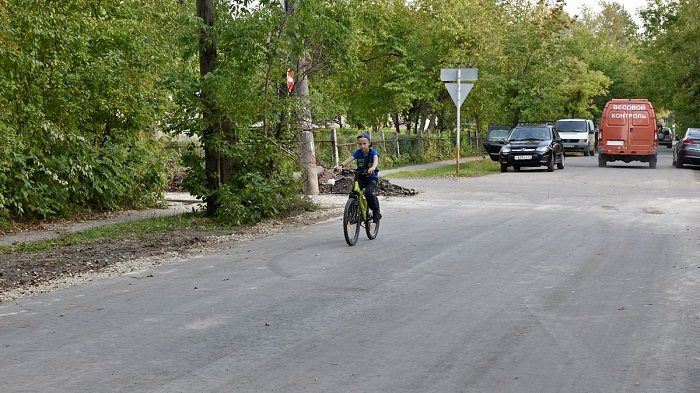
{"points": [[371, 227], [351, 221]]}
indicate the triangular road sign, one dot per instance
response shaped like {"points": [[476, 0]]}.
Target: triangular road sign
{"points": [[452, 88]]}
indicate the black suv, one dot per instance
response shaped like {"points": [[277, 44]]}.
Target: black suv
{"points": [[532, 146], [495, 138]]}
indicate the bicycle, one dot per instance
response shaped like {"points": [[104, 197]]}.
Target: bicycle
{"points": [[357, 212]]}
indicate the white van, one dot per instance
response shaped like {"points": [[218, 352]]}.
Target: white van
{"points": [[578, 135]]}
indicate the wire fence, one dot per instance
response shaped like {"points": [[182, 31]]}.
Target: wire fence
{"points": [[394, 149], [332, 146]]}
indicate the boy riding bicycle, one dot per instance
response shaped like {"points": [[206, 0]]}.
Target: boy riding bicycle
{"points": [[367, 158]]}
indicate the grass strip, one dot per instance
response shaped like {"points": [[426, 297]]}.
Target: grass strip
{"points": [[147, 228], [467, 169], [139, 229]]}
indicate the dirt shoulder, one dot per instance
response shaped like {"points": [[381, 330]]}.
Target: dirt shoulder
{"points": [[29, 273]]}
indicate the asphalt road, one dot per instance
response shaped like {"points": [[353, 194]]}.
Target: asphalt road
{"points": [[581, 280]]}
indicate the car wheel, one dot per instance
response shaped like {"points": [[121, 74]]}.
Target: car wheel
{"points": [[550, 165], [504, 168], [516, 168], [602, 161], [560, 165], [586, 153], [652, 164], [679, 163]]}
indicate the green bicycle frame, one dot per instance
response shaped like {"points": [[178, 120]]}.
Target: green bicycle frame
{"points": [[362, 200]]}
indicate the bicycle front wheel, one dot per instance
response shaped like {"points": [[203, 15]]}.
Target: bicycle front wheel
{"points": [[371, 227], [351, 221]]}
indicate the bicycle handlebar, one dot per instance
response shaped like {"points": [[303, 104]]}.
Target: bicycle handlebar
{"points": [[359, 171]]}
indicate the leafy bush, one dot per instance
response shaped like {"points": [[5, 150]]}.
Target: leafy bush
{"points": [[39, 184], [262, 184], [80, 100]]}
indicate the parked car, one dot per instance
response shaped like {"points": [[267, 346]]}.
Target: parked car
{"points": [[665, 137], [579, 135], [495, 139], [532, 146], [687, 150], [628, 132]]}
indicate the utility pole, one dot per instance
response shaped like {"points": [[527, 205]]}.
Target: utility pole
{"points": [[307, 151]]}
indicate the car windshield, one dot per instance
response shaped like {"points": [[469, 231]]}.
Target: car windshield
{"points": [[529, 133], [498, 134], [568, 126]]}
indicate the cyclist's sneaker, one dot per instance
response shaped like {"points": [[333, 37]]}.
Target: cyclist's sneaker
{"points": [[376, 217]]}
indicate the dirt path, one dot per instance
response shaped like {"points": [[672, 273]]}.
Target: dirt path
{"points": [[177, 202]]}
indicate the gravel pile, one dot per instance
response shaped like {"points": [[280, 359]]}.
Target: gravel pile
{"points": [[330, 182]]}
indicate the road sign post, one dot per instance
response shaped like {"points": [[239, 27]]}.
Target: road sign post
{"points": [[459, 75]]}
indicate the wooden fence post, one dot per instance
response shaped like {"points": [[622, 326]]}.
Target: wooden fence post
{"points": [[334, 142], [381, 134]]}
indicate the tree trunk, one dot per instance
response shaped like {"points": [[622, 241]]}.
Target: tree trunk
{"points": [[207, 60], [433, 120], [516, 118], [420, 130], [416, 115], [477, 121], [407, 121], [228, 166]]}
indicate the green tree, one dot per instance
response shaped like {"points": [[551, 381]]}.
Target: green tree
{"points": [[538, 70], [80, 104], [254, 124], [529, 63], [609, 43], [671, 68]]}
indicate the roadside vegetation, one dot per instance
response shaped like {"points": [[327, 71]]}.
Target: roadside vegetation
{"points": [[154, 228], [93, 95], [146, 229]]}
